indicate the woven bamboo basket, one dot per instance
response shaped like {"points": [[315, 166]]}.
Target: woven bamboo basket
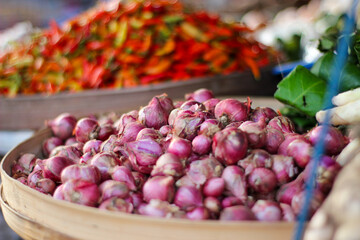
{"points": [[34, 215]]}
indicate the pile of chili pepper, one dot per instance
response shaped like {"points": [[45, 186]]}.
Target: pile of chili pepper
{"points": [[131, 44]]}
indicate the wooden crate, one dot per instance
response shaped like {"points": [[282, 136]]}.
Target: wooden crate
{"points": [[30, 112], [37, 216]]}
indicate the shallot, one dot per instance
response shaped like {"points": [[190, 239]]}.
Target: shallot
{"points": [[104, 162], [188, 198], [143, 154], [237, 213], [202, 158], [230, 145], [235, 182], [231, 110], [255, 133], [210, 104], [282, 124], [37, 181], [112, 188], [168, 164], [84, 172], [201, 144], [159, 187], [80, 192], [214, 187], [63, 125], [92, 146], [70, 152], [26, 163], [265, 210], [180, 147], [198, 213], [153, 115], [158, 208], [53, 167], [262, 114], [49, 144], [123, 174], [209, 127], [116, 204], [334, 140], [200, 95], [201, 170], [187, 124], [86, 129], [262, 180], [231, 201]]}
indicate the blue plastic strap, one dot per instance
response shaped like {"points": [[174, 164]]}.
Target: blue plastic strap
{"points": [[332, 90]]}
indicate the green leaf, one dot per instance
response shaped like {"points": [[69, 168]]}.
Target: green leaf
{"points": [[349, 77], [302, 90]]}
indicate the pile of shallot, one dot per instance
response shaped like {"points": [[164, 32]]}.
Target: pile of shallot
{"points": [[203, 158]]}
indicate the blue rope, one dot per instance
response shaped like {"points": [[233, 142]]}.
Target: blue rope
{"points": [[332, 90]]}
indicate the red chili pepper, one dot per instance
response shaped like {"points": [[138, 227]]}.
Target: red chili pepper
{"points": [[97, 45], [140, 42], [97, 76], [253, 66], [151, 78]]}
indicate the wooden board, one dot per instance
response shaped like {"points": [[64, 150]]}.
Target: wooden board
{"points": [[26, 207], [30, 112]]}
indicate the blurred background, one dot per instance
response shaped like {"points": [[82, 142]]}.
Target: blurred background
{"points": [[39, 12]]}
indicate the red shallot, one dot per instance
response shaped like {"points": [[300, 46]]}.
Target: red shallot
{"points": [[230, 145], [63, 125]]}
